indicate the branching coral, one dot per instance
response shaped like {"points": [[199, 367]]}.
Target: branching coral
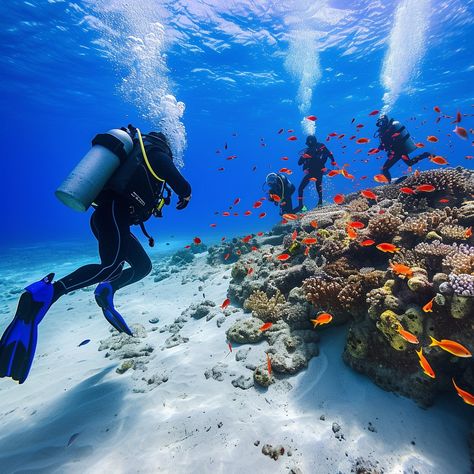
{"points": [[383, 226], [463, 285], [322, 293], [448, 180], [452, 233], [459, 261], [263, 307]]}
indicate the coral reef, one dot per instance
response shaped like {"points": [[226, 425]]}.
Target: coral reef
{"points": [[263, 307]]}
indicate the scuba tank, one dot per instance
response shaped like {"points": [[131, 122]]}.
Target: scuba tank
{"points": [[85, 182], [403, 143]]}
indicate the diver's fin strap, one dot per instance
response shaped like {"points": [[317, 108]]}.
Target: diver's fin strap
{"points": [[151, 240], [145, 157]]}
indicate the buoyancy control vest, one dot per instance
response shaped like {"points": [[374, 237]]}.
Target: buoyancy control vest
{"points": [[396, 138]]}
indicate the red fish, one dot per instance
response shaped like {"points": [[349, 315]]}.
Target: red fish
{"points": [[368, 194], [407, 191], [226, 256], [468, 232], [314, 224], [246, 239], [247, 213], [460, 132], [439, 160], [339, 198], [374, 112], [306, 156], [420, 145], [230, 346], [249, 271], [356, 225], [225, 303], [351, 233], [226, 214], [334, 173], [265, 327], [284, 158], [283, 257], [236, 201], [290, 217], [385, 247], [309, 240], [294, 235], [212, 225], [360, 125], [443, 201], [313, 118], [425, 188], [262, 215], [466, 396], [380, 178], [259, 234], [408, 336], [292, 138], [257, 204], [367, 243], [197, 240], [432, 138], [373, 151], [436, 109], [360, 141]]}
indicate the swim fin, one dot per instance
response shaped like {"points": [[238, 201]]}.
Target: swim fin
{"points": [[18, 343], [104, 295]]}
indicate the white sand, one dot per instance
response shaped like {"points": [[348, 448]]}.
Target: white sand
{"points": [[174, 428]]}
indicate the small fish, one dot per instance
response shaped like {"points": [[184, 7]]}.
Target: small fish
{"points": [[212, 225], [197, 240], [334, 173], [323, 318], [246, 239], [351, 233], [294, 235], [253, 248], [312, 118], [247, 213], [466, 396], [357, 225], [257, 204], [396, 134], [368, 194], [309, 240], [281, 131], [236, 201], [262, 215], [420, 145], [314, 224], [226, 256], [259, 234], [407, 190], [380, 178], [225, 303], [443, 201], [353, 120], [367, 243], [265, 327], [84, 342], [338, 198], [284, 158], [425, 188], [362, 140], [385, 247], [439, 160], [428, 308], [283, 257], [290, 130], [226, 213], [275, 197], [72, 439], [269, 365], [187, 246], [306, 156], [432, 138], [290, 217], [360, 125], [373, 151], [306, 251], [374, 112], [220, 169], [468, 232], [425, 364], [460, 132], [401, 269], [292, 138], [225, 146], [408, 336], [436, 109], [458, 117], [229, 345], [452, 347], [249, 271]]}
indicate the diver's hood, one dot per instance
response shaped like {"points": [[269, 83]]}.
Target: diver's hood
{"points": [[159, 139], [382, 121]]}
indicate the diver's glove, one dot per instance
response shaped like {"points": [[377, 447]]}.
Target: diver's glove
{"points": [[183, 202]]}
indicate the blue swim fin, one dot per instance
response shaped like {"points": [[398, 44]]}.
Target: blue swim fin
{"points": [[104, 295], [18, 343]]}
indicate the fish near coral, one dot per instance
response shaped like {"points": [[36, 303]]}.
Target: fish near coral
{"points": [[265, 327], [466, 396], [323, 318], [428, 308], [427, 369], [225, 303], [401, 269], [386, 247], [452, 347], [408, 336]]}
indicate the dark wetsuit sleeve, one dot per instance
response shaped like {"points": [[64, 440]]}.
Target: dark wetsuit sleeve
{"points": [[165, 169], [325, 154]]}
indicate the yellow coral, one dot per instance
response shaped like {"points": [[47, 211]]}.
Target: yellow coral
{"points": [[263, 307]]}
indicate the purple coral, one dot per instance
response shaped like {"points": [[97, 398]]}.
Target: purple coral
{"points": [[463, 284]]}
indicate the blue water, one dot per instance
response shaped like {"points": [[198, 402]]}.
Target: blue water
{"points": [[71, 70]]}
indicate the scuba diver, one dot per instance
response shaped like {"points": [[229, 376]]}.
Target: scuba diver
{"points": [[313, 158], [397, 142], [280, 189], [125, 179]]}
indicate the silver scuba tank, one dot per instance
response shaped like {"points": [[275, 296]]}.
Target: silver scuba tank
{"points": [[404, 144], [88, 178]]}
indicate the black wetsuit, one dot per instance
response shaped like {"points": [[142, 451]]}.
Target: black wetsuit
{"points": [[110, 224], [313, 168], [394, 147], [284, 189]]}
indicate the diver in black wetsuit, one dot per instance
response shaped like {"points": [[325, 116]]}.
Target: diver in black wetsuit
{"points": [[280, 191], [397, 142], [313, 167]]}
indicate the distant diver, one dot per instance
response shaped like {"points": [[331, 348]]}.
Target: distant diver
{"points": [[280, 190], [313, 158], [125, 177], [397, 142]]}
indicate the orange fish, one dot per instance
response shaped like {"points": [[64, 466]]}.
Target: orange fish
{"points": [[309, 241], [452, 347], [313, 118], [368, 194], [292, 138], [347, 175], [356, 225], [246, 239], [373, 151], [269, 365], [265, 327], [314, 224], [432, 139], [466, 396], [425, 188], [197, 240], [385, 247], [351, 233], [294, 235], [339, 198], [334, 173], [420, 145], [443, 201], [362, 140], [408, 336], [323, 318], [225, 303], [380, 178], [436, 109], [468, 233], [460, 132], [439, 160], [425, 364], [283, 257], [407, 191], [401, 269], [275, 197], [428, 308], [367, 243], [306, 156], [290, 217], [284, 158]]}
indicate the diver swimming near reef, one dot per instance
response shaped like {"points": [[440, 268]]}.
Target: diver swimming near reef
{"points": [[125, 177], [397, 142], [280, 190], [313, 158]]}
